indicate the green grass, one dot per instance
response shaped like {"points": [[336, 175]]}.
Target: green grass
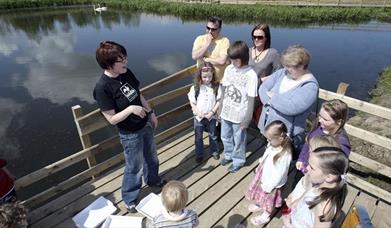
{"points": [[230, 12]]}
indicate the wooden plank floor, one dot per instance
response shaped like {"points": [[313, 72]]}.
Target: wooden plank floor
{"points": [[216, 195]]}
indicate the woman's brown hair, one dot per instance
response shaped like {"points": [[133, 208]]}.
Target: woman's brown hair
{"points": [[108, 53], [265, 28], [338, 110]]}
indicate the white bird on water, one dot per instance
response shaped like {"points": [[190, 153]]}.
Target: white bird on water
{"points": [[100, 9]]}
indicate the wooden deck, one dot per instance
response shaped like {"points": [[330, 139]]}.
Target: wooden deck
{"points": [[216, 195]]}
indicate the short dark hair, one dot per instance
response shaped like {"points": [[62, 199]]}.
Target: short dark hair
{"points": [[239, 50], [215, 19], [265, 28], [108, 52]]}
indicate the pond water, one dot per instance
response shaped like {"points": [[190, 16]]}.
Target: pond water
{"points": [[47, 58]]}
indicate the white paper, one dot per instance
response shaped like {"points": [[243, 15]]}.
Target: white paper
{"points": [[116, 221], [95, 213], [151, 206]]}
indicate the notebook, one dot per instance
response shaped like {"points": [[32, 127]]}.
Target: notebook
{"points": [[151, 206], [116, 221], [95, 213]]}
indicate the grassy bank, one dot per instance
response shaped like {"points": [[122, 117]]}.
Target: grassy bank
{"points": [[380, 95], [248, 13]]}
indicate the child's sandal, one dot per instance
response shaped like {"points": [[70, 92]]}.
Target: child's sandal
{"points": [[260, 220], [254, 208]]}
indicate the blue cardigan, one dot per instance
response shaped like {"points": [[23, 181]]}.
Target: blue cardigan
{"points": [[291, 107]]}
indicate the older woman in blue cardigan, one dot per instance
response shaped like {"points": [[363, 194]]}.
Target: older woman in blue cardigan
{"points": [[289, 94]]}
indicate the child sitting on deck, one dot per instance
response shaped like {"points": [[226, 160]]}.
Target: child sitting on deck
{"points": [[174, 197], [271, 174], [204, 97], [319, 196]]}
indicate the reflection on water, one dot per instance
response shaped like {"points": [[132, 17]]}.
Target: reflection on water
{"points": [[48, 65]]}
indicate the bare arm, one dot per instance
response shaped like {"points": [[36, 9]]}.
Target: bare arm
{"points": [[113, 118], [217, 61], [148, 108], [199, 52], [144, 103], [249, 113]]}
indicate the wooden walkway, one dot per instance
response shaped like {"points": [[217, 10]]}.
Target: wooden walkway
{"points": [[216, 195]]}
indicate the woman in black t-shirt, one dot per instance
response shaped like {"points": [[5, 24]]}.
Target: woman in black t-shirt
{"points": [[121, 103]]}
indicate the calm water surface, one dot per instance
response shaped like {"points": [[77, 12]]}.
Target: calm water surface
{"points": [[48, 65]]}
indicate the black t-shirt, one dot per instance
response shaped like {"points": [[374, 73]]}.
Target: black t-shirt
{"points": [[118, 93]]}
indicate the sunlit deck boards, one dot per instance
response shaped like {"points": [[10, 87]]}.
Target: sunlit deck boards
{"points": [[215, 194]]}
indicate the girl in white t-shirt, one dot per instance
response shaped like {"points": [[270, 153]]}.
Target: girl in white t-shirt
{"points": [[271, 174], [204, 97]]}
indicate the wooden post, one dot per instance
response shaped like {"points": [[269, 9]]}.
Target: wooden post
{"points": [[342, 87], [339, 1], [85, 139]]}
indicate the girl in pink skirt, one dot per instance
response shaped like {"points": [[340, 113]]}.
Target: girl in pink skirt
{"points": [[271, 173]]}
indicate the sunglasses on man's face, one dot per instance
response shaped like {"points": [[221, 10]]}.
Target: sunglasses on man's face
{"points": [[258, 37], [211, 29]]}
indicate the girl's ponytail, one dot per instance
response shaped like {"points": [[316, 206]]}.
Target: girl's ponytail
{"points": [[332, 161], [334, 197]]}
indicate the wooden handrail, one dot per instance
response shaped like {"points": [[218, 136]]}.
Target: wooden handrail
{"points": [[357, 104], [64, 163], [169, 79], [368, 136]]}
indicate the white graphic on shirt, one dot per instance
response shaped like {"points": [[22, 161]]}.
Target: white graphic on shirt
{"points": [[239, 84], [129, 92]]}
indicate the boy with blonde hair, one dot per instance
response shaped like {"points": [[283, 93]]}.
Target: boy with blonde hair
{"points": [[174, 198]]}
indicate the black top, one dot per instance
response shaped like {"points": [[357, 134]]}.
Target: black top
{"points": [[118, 93]]}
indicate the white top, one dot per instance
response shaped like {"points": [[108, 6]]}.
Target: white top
{"points": [[206, 99], [274, 175], [288, 83], [239, 83], [301, 215]]}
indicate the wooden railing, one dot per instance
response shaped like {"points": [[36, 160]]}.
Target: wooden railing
{"points": [[94, 121]]}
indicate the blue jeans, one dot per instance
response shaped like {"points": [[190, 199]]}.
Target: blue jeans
{"points": [[199, 127], [234, 140], [141, 160]]}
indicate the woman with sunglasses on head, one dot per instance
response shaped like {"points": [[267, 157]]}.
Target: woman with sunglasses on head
{"points": [[263, 59], [122, 104]]}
